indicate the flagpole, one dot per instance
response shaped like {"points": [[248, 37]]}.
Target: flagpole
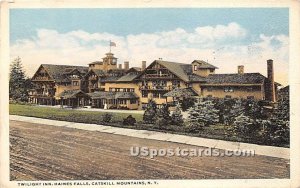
{"points": [[109, 46]]}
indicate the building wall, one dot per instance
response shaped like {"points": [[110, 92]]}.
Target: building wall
{"points": [[236, 92], [202, 72]]}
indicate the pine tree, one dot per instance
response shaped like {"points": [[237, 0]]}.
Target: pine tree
{"points": [[245, 126], [236, 110], [194, 125], [18, 84], [162, 117], [208, 114], [150, 112], [177, 117]]}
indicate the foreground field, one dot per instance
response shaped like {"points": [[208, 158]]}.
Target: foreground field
{"points": [[66, 114], [42, 152]]}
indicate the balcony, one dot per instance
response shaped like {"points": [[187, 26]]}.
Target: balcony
{"points": [[41, 78], [158, 76], [93, 78], [165, 88]]}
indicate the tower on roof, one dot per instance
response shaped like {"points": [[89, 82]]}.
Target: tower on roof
{"points": [[108, 62]]}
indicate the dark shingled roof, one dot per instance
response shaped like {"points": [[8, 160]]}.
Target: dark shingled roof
{"points": [[113, 95], [246, 78], [98, 72], [96, 62], [134, 69], [204, 65], [66, 94], [179, 69], [128, 77], [57, 72], [182, 70], [181, 92]]}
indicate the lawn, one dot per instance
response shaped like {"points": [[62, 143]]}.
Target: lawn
{"points": [[92, 117], [67, 114]]}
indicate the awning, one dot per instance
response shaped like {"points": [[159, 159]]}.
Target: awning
{"points": [[69, 94], [112, 95]]}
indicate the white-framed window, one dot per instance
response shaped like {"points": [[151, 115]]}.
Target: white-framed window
{"points": [[195, 67]]}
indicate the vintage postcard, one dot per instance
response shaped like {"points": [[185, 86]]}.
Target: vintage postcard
{"points": [[150, 94]]}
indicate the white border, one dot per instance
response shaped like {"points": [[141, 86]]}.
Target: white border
{"points": [[294, 28]]}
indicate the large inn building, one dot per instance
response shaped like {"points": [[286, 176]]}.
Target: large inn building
{"points": [[107, 84]]}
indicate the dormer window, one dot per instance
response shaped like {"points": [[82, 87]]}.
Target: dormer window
{"points": [[195, 67]]}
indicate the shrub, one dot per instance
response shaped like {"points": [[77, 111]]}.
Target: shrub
{"points": [[246, 126], [129, 120], [107, 117], [162, 117], [187, 103], [176, 117], [150, 112]]}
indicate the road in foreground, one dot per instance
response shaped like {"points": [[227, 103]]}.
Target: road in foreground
{"points": [[43, 152]]}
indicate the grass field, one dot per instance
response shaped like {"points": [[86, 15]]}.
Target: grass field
{"points": [[67, 114], [92, 117]]}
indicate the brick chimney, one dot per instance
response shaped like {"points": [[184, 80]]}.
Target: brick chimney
{"points": [[120, 66], [126, 65], [271, 84], [241, 69], [144, 65]]}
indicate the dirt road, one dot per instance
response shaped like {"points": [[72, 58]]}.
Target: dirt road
{"points": [[43, 152]]}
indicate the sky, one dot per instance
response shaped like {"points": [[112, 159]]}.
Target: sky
{"points": [[223, 37]]}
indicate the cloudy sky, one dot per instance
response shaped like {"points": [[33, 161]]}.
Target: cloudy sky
{"points": [[223, 37]]}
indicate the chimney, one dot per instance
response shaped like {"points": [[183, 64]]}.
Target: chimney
{"points": [[120, 66], [271, 85], [143, 65], [126, 65], [241, 69]]}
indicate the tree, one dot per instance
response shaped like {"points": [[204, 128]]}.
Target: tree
{"points": [[235, 110], [194, 125], [245, 126], [18, 83], [162, 117], [150, 112], [176, 117], [207, 113], [187, 103]]}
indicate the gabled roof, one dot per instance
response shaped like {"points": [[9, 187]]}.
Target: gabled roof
{"points": [[134, 69], [128, 77], [246, 78], [57, 72], [66, 94], [204, 65], [96, 62], [97, 72]]}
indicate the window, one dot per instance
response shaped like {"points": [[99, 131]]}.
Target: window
{"points": [[228, 89], [195, 67], [132, 101], [209, 89], [145, 94], [249, 89], [250, 97], [209, 96], [75, 83], [176, 83], [155, 95], [211, 70], [228, 97]]}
